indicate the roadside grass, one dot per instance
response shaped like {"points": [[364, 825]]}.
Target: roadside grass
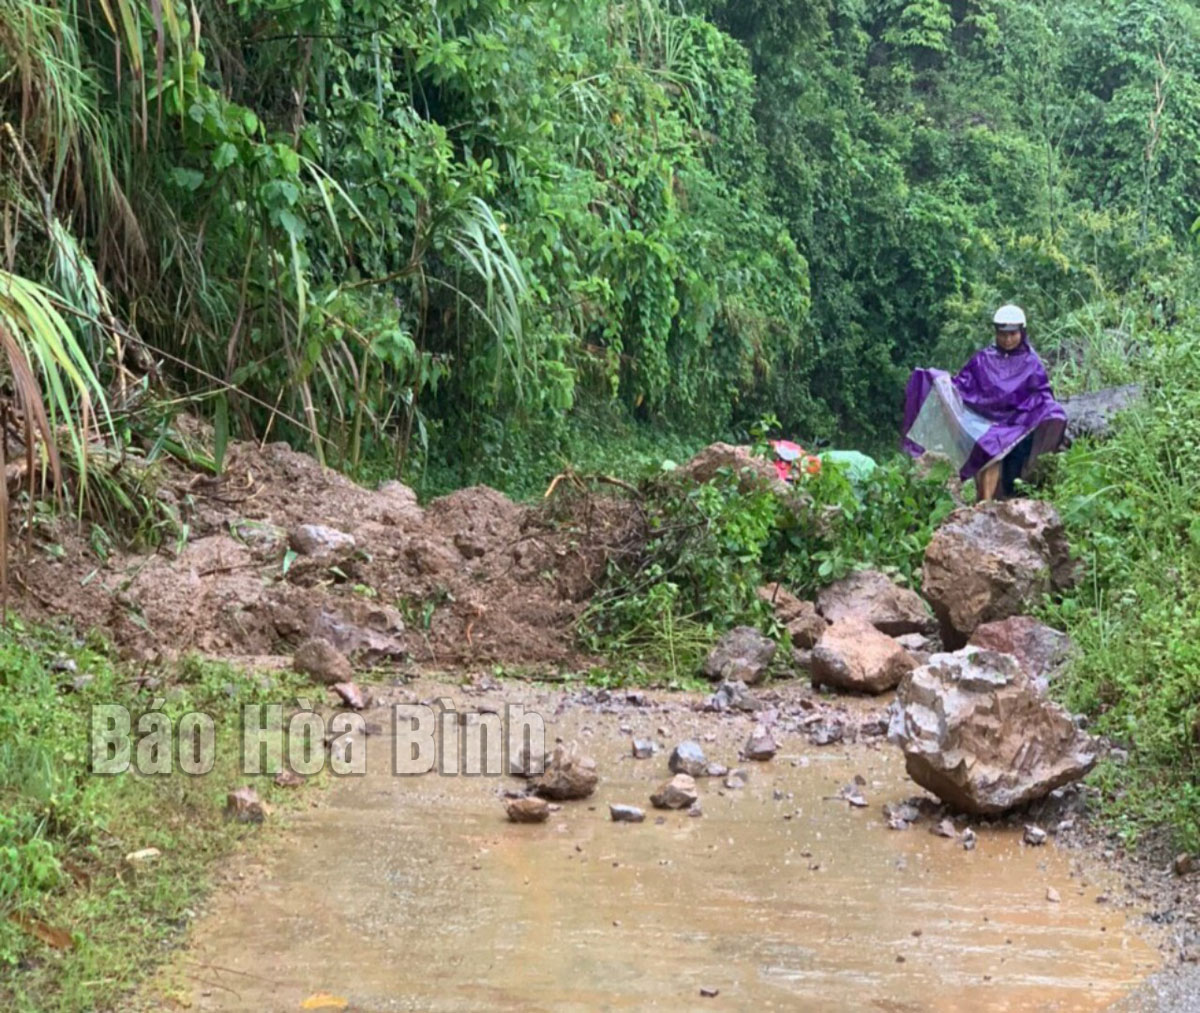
{"points": [[1130, 506], [79, 926]]}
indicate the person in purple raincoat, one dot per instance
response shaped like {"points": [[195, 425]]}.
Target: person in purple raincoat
{"points": [[994, 418]]}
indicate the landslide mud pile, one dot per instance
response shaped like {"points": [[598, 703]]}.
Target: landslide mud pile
{"points": [[472, 577]]}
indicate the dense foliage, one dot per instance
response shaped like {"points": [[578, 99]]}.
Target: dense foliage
{"points": [[454, 228]]}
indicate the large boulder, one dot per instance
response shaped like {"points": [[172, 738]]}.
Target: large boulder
{"points": [[873, 596], [1091, 414], [992, 561], [752, 471], [978, 733], [800, 617], [1040, 649], [853, 655], [742, 654]]}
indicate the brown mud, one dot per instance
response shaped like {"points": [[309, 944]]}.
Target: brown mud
{"points": [[471, 577], [415, 893]]}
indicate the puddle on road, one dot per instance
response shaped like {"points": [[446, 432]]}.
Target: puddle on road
{"points": [[417, 894]]}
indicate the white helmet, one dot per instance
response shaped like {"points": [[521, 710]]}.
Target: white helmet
{"points": [[1009, 316]]}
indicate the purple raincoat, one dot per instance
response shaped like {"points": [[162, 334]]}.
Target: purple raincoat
{"points": [[978, 416]]}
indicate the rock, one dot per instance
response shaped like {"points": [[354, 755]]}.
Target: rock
{"points": [[709, 993], [716, 770], [900, 816], [761, 745], [826, 733], [977, 733], [743, 654], [993, 561], [324, 662], [752, 471], [1184, 864], [1052, 895], [968, 839], [732, 695], [799, 617], [687, 758], [528, 809], [626, 814], [142, 856], [245, 806], [944, 828], [370, 634], [1091, 414], [568, 775], [872, 596], [677, 793], [643, 749], [853, 655], [1041, 649], [319, 541], [1034, 835], [351, 694], [736, 780], [288, 779], [919, 646]]}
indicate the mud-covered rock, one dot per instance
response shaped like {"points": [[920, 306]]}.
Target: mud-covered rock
{"points": [[529, 809], [853, 655], [752, 471], [687, 758], [568, 775], [993, 561], [677, 793], [319, 541], [370, 633], [322, 661], [801, 619], [875, 597], [1041, 649], [743, 654], [977, 732]]}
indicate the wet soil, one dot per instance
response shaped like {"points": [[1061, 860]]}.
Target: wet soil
{"points": [[415, 893], [470, 577]]}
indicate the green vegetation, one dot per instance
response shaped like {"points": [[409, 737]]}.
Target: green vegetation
{"points": [[80, 923]]}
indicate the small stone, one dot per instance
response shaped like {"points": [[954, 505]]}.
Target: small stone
{"points": [[324, 662], [1184, 864], [716, 770], [709, 993], [687, 758], [245, 806], [761, 745], [1034, 835], [735, 780], [318, 540], [288, 779], [968, 839], [568, 775], [1052, 895], [528, 809], [142, 856], [677, 793], [944, 829], [643, 749], [351, 694], [626, 814]]}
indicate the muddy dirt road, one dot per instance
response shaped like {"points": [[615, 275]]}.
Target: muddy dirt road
{"points": [[396, 893]]}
